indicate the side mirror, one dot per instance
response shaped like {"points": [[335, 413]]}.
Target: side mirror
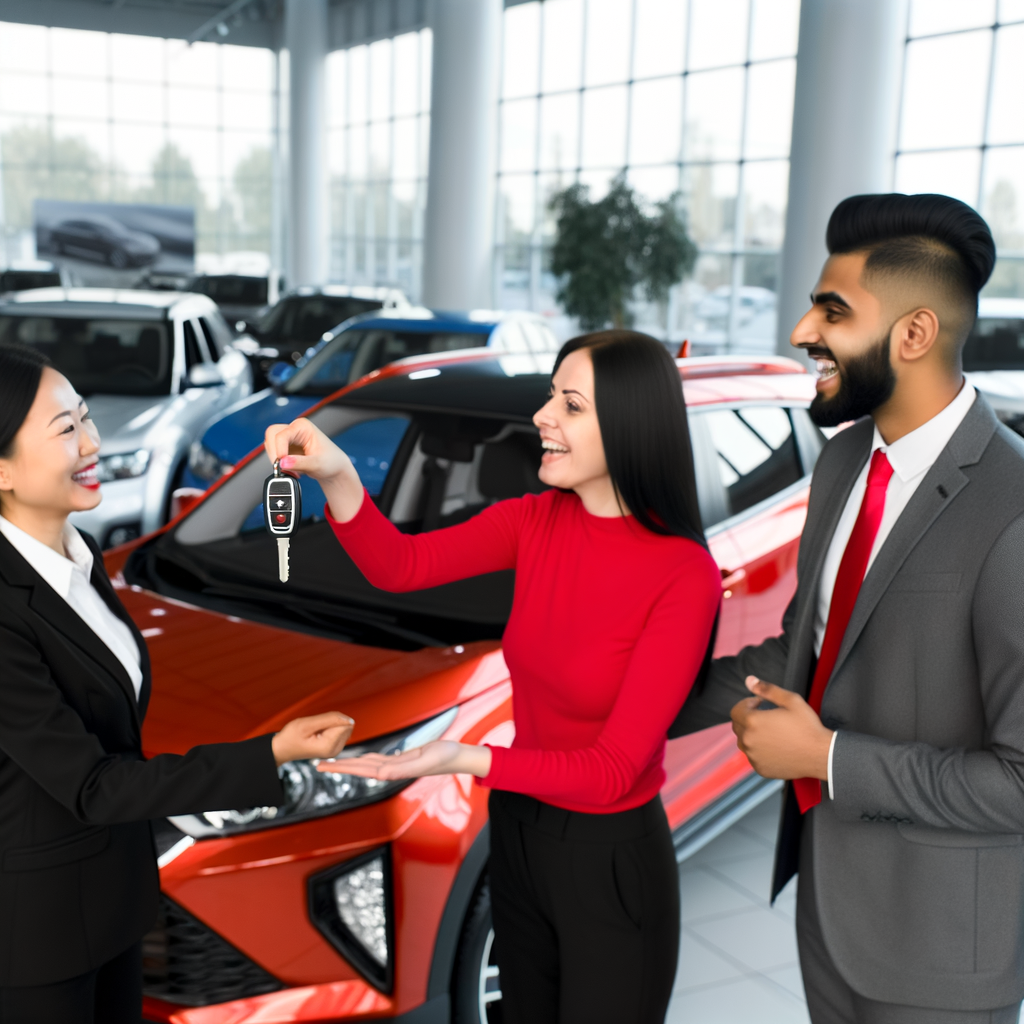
{"points": [[280, 372], [184, 499], [205, 375]]}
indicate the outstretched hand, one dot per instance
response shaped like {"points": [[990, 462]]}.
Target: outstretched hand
{"points": [[784, 742], [303, 739], [442, 757]]}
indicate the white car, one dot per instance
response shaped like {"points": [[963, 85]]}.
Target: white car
{"points": [[156, 368], [994, 357]]}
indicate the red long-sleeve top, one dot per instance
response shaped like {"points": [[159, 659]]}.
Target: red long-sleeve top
{"points": [[608, 629]]}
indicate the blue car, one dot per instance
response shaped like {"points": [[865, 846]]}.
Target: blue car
{"points": [[350, 351]]}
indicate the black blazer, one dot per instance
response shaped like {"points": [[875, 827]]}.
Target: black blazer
{"points": [[78, 875]]}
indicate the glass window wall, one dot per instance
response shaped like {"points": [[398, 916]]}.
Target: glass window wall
{"points": [[962, 118], [378, 138], [694, 96], [100, 116]]}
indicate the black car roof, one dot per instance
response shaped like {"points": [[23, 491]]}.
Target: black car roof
{"points": [[477, 387]]}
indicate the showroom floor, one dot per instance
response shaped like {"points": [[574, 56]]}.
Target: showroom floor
{"points": [[737, 957]]}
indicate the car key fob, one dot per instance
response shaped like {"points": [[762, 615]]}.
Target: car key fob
{"points": [[282, 510]]}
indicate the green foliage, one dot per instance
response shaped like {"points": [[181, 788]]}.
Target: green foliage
{"points": [[38, 166], [607, 249]]}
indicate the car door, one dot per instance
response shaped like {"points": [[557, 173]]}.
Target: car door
{"points": [[763, 454], [752, 462]]}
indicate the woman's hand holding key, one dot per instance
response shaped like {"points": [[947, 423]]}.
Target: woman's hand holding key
{"points": [[304, 448]]}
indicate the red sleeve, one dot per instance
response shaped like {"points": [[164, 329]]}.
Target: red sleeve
{"points": [[396, 561], [661, 671]]}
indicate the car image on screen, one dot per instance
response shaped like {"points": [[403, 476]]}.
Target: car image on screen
{"points": [[105, 240]]}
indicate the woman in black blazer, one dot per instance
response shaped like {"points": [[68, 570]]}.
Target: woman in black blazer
{"points": [[78, 877]]}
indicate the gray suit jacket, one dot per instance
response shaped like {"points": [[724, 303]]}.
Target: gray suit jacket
{"points": [[919, 860]]}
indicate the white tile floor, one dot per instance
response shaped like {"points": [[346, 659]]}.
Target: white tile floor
{"points": [[737, 956]]}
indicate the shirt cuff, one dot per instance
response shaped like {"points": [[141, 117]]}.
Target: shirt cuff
{"points": [[831, 749]]}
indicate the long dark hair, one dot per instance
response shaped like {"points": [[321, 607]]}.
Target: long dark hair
{"points": [[642, 415], [21, 369]]}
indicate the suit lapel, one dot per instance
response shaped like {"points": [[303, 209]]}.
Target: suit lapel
{"points": [[51, 607], [818, 537], [941, 484]]}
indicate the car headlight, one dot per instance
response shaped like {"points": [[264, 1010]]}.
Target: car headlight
{"points": [[205, 464], [123, 466], [313, 794]]}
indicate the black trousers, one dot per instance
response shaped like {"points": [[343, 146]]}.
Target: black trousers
{"points": [[586, 912], [111, 994]]}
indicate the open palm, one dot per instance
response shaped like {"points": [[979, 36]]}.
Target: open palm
{"points": [[437, 758]]}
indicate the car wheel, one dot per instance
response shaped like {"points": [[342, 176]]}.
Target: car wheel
{"points": [[119, 259], [476, 992]]}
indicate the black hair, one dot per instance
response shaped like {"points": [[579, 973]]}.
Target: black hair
{"points": [[642, 415], [21, 369], [933, 235]]}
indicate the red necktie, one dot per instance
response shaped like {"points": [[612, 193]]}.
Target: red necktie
{"points": [[844, 596]]}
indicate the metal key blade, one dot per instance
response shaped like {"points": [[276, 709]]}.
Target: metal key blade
{"points": [[282, 559]]}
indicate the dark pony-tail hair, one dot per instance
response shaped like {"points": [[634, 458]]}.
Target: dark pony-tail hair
{"points": [[646, 436], [21, 369]]}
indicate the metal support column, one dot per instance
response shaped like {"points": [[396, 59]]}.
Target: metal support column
{"points": [[459, 230], [845, 113], [305, 36]]}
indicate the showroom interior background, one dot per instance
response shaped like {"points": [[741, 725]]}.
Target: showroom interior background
{"points": [[700, 101]]}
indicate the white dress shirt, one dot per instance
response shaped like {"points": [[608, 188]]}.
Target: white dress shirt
{"points": [[70, 578], [910, 457]]}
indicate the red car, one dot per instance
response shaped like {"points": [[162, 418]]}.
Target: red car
{"points": [[362, 899]]}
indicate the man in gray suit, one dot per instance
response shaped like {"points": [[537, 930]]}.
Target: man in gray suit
{"points": [[899, 706]]}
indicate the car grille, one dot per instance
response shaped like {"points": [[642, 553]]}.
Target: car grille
{"points": [[185, 962]]}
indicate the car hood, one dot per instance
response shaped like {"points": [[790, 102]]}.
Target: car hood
{"points": [[218, 678], [242, 428], [128, 422]]}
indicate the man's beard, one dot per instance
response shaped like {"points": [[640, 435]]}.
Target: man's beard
{"points": [[865, 383]]}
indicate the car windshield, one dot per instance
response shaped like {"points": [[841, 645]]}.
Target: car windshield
{"points": [[424, 470], [232, 289], [995, 344], [114, 357], [355, 352], [305, 319]]}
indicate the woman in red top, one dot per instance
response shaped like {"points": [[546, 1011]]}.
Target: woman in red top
{"points": [[615, 600]]}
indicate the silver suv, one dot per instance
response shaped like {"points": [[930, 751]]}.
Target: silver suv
{"points": [[156, 368]]}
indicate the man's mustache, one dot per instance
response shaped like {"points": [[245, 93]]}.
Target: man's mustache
{"points": [[819, 352]]}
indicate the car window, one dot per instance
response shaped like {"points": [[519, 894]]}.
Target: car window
{"points": [[211, 341], [510, 337], [354, 353], [755, 455], [193, 353], [233, 289], [306, 318], [995, 344], [114, 357], [370, 444]]}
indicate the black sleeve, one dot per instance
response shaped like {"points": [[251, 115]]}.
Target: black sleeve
{"points": [[49, 741]]}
